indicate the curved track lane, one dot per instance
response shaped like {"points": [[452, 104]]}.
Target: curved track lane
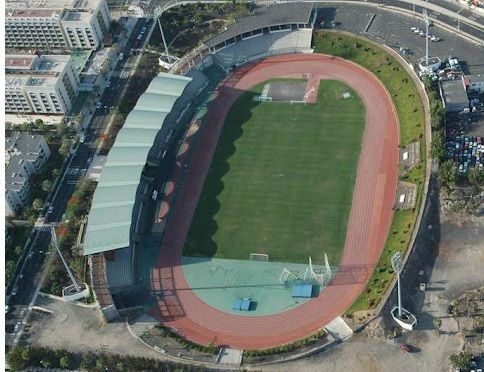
{"points": [[368, 225]]}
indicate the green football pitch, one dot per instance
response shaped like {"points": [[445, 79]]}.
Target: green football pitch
{"points": [[281, 180]]}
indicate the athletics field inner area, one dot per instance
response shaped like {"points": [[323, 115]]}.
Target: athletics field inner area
{"points": [[282, 177]]}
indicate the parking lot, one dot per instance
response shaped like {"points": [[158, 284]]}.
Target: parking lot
{"points": [[395, 29], [466, 150]]}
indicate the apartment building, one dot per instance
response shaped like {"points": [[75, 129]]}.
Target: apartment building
{"points": [[56, 24], [46, 84], [25, 155]]}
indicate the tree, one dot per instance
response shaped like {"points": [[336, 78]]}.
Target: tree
{"points": [[37, 204], [18, 250], [15, 358], [476, 176], [437, 323], [65, 361], [460, 360], [39, 123], [62, 129], [448, 173], [64, 149], [9, 268], [46, 363], [47, 185], [55, 172], [438, 146]]}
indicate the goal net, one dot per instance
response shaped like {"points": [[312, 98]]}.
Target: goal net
{"points": [[259, 257], [322, 277]]}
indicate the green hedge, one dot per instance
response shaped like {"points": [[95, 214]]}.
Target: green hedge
{"points": [[287, 347]]}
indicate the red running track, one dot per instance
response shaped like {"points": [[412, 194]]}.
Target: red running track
{"points": [[368, 224]]}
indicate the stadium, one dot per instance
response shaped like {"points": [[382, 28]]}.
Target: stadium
{"points": [[249, 195]]}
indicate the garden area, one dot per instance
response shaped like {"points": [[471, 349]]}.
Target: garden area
{"points": [[67, 234], [23, 358], [187, 25]]}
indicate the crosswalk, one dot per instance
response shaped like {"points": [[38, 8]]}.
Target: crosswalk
{"points": [[124, 74], [76, 171]]}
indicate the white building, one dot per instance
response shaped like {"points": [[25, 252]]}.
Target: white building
{"points": [[25, 155], [46, 84], [56, 24]]}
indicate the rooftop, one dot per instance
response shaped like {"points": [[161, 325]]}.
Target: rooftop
{"points": [[55, 4], [23, 143], [19, 147], [109, 222], [32, 13], [47, 63], [265, 16], [15, 81], [454, 92], [74, 16], [19, 62]]}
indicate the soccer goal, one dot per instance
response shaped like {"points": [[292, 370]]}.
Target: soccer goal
{"points": [[287, 275], [299, 102], [322, 277], [259, 257]]}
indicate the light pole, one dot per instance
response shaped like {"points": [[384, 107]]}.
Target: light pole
{"points": [[157, 13], [397, 267], [427, 23], [54, 242]]}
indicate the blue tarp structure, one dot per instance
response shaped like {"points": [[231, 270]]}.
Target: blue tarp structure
{"points": [[302, 290], [242, 304]]}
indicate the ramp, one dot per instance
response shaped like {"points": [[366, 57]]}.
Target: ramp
{"points": [[339, 329]]}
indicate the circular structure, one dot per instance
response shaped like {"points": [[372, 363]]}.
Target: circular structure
{"points": [[368, 225]]}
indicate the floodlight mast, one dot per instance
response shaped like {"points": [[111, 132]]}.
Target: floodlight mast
{"points": [[427, 24], [54, 242], [157, 13], [397, 267]]}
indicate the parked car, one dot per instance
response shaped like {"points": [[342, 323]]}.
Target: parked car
{"points": [[98, 105], [14, 291], [51, 209], [17, 327], [23, 312], [121, 56]]}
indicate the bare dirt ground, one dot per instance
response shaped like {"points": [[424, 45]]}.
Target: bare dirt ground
{"points": [[82, 329], [450, 267]]}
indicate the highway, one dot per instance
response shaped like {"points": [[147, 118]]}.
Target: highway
{"points": [[36, 253]]}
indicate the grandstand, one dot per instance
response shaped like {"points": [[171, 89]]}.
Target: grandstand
{"points": [[126, 202], [264, 45], [121, 207], [269, 30]]}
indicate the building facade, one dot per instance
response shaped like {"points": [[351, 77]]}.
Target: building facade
{"points": [[46, 84], [53, 25], [25, 155]]}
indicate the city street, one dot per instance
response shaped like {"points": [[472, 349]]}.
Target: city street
{"points": [[27, 279]]}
